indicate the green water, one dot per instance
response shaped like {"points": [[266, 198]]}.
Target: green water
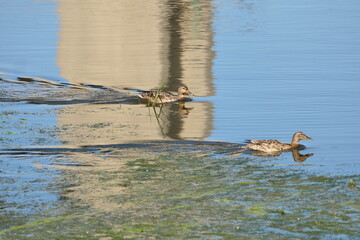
{"points": [[175, 191]]}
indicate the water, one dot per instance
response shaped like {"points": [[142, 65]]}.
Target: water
{"points": [[289, 68], [78, 148]]}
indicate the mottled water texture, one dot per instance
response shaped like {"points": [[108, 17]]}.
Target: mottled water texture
{"points": [[156, 190]]}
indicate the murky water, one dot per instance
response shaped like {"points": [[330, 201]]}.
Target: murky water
{"points": [[81, 156]]}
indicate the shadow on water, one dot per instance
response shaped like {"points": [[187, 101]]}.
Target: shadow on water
{"points": [[43, 91]]}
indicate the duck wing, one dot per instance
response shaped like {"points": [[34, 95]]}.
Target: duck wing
{"points": [[155, 95], [265, 145], [266, 141]]}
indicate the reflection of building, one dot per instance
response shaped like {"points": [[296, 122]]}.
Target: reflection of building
{"points": [[137, 44], [182, 126], [111, 42], [110, 123], [190, 42]]}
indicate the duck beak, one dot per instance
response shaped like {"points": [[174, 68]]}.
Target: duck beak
{"points": [[308, 138], [190, 94]]}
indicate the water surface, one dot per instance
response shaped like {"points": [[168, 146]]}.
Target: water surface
{"points": [[70, 117]]}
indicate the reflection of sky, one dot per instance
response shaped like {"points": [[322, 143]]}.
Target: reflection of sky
{"points": [[285, 67], [279, 68], [28, 125], [29, 38], [28, 49]]}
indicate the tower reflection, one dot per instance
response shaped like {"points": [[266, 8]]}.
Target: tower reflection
{"points": [[140, 45]]}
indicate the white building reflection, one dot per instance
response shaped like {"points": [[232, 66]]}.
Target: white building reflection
{"points": [[137, 44]]}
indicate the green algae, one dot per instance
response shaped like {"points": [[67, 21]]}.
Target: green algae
{"points": [[176, 195], [38, 222]]}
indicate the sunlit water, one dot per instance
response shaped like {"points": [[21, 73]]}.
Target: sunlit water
{"points": [[289, 68], [70, 116]]}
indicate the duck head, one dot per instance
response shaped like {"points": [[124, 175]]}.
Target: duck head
{"points": [[302, 136], [299, 136], [184, 90]]}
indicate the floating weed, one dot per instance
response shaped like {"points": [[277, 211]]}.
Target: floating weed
{"points": [[170, 210], [125, 230], [256, 210], [351, 183], [178, 208], [304, 187], [197, 195], [134, 229], [197, 179], [320, 179], [281, 211], [40, 222], [255, 189], [342, 216], [247, 182], [159, 91], [273, 194]]}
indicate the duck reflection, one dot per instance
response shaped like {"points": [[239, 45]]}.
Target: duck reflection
{"points": [[297, 156], [183, 110], [170, 117]]}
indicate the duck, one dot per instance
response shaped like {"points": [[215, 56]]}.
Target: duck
{"points": [[269, 146], [157, 96]]}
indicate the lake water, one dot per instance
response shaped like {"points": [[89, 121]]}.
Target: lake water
{"points": [[76, 142]]}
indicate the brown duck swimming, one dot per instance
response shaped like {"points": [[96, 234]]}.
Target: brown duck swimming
{"points": [[156, 96], [275, 145]]}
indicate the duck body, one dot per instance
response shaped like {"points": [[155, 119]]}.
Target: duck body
{"points": [[156, 96], [272, 145], [268, 145]]}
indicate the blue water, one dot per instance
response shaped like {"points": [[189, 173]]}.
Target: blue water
{"points": [[29, 38], [278, 68], [282, 68]]}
